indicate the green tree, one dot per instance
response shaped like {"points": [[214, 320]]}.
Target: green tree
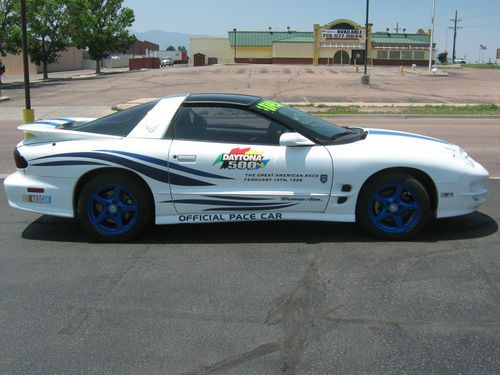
{"points": [[443, 57], [101, 26], [182, 49], [47, 31], [170, 48], [10, 31]]}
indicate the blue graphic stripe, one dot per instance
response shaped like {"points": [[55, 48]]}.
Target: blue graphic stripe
{"points": [[165, 163], [149, 159], [237, 198], [154, 173], [387, 132], [221, 203], [260, 208], [66, 163], [64, 119]]}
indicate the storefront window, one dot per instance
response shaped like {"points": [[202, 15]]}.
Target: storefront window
{"points": [[406, 55], [394, 55], [418, 55], [382, 55]]}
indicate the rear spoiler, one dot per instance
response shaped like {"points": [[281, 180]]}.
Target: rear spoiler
{"points": [[53, 130]]}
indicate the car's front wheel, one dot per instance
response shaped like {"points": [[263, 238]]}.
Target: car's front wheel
{"points": [[393, 206], [114, 208]]}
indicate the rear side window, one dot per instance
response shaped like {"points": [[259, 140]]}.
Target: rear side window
{"points": [[119, 124]]}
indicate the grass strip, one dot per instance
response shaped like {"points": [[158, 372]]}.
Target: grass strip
{"points": [[479, 110]]}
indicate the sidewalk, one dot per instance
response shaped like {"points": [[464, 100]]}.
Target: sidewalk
{"points": [[8, 79], [14, 114]]}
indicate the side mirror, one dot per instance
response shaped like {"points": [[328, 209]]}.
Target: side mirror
{"points": [[294, 139]]}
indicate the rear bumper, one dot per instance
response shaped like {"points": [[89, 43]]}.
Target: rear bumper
{"points": [[56, 198]]}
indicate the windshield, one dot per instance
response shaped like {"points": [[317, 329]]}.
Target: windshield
{"points": [[310, 125]]}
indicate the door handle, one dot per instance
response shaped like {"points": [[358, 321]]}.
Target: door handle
{"points": [[186, 158]]}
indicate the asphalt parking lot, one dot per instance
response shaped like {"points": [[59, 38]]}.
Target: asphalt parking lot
{"points": [[246, 298], [255, 298], [285, 83]]}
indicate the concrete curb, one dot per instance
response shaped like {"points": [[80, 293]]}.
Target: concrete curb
{"points": [[378, 104], [71, 77], [4, 98], [406, 115]]}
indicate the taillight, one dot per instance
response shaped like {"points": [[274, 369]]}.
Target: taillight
{"points": [[20, 161]]}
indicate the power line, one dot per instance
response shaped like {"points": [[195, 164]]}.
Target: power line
{"points": [[486, 14], [482, 25]]}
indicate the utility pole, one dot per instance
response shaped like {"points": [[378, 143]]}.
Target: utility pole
{"points": [[432, 34], [28, 113], [365, 78], [234, 31], [455, 20]]}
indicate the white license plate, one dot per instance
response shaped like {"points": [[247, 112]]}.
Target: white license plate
{"points": [[37, 198]]}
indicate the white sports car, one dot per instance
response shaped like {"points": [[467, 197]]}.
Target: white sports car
{"points": [[223, 157]]}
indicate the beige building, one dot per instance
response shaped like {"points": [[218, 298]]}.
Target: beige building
{"points": [[339, 42], [70, 59], [210, 48]]}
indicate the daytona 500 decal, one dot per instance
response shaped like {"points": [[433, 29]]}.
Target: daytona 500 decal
{"points": [[241, 158]]}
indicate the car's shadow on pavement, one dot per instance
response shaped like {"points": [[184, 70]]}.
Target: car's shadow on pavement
{"points": [[471, 226]]}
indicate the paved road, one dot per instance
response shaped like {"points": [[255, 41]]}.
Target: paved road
{"points": [[243, 298]]}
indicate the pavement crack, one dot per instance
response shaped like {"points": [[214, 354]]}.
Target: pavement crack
{"points": [[298, 313], [236, 360]]}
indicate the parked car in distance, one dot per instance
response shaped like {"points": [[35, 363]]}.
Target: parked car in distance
{"points": [[166, 61]]}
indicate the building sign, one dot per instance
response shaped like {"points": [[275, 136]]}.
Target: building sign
{"points": [[341, 34]]}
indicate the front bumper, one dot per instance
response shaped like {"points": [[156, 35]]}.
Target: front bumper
{"points": [[56, 198], [466, 194]]}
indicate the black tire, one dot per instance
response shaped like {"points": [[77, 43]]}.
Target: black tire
{"points": [[393, 206], [114, 207]]}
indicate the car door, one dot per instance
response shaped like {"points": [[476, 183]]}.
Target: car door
{"points": [[228, 159]]}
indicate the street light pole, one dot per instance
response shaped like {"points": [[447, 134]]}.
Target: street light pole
{"points": [[432, 33], [234, 31], [365, 78], [28, 113]]}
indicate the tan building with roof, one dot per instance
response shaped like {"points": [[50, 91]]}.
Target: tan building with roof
{"points": [[339, 42]]}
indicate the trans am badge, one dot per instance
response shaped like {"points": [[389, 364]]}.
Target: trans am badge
{"points": [[323, 178], [241, 158]]}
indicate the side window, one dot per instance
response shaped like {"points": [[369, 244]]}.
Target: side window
{"points": [[227, 125], [119, 123]]}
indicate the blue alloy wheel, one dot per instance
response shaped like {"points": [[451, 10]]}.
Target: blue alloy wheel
{"points": [[112, 209], [393, 206], [115, 207]]}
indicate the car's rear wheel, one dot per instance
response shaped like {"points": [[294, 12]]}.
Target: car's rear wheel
{"points": [[393, 206], [114, 208]]}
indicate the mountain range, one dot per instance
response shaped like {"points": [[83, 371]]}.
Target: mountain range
{"points": [[165, 38]]}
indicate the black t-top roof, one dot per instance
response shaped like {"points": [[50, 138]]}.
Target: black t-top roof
{"points": [[237, 99]]}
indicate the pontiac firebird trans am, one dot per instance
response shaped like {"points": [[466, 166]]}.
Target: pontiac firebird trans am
{"points": [[224, 157]]}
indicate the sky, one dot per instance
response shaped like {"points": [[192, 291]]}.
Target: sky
{"points": [[480, 19]]}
